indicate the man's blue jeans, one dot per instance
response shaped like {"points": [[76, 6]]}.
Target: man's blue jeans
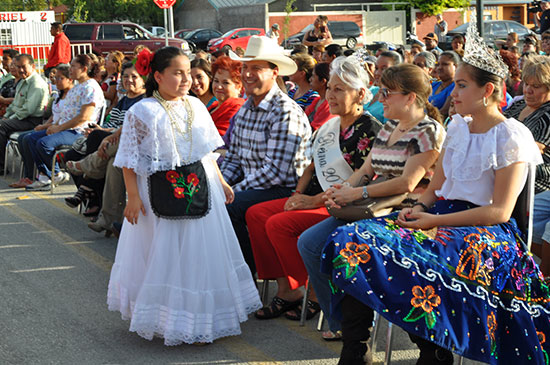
{"points": [[541, 217], [237, 210], [43, 147], [26, 154], [310, 246]]}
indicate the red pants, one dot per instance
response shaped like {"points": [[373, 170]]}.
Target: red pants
{"points": [[274, 235]]}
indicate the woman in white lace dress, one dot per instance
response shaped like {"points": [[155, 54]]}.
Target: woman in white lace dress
{"points": [[180, 278]]}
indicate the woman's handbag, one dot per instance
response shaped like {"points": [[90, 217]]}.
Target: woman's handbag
{"points": [[180, 193], [368, 208]]}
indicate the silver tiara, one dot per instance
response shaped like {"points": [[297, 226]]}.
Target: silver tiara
{"points": [[478, 54]]}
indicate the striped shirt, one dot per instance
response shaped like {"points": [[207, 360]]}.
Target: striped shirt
{"points": [[116, 116], [538, 123], [305, 100], [268, 144], [389, 161]]}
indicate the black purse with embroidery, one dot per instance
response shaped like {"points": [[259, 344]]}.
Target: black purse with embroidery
{"points": [[181, 193]]}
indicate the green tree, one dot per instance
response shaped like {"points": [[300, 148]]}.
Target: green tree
{"points": [[27, 5], [139, 11], [434, 7], [289, 8]]}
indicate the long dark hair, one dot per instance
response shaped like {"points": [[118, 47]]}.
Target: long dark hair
{"points": [[86, 61], [161, 60], [62, 69]]}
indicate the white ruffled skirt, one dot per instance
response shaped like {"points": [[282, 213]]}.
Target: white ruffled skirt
{"points": [[183, 280]]}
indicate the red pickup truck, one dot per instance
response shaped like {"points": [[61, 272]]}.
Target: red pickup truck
{"points": [[122, 36]]}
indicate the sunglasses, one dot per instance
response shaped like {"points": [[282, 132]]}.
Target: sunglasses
{"points": [[386, 93]]}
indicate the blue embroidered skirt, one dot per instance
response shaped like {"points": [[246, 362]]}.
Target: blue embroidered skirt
{"points": [[472, 290]]}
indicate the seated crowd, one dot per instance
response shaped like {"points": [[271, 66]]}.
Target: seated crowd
{"points": [[438, 133]]}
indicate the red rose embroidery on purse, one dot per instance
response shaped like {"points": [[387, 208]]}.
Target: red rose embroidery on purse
{"points": [[184, 187]]}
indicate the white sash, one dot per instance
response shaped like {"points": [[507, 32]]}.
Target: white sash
{"points": [[330, 166]]}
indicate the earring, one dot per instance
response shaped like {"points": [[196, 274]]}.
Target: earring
{"points": [[484, 101]]}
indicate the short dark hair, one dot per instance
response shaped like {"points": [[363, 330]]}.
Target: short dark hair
{"points": [[322, 70], [57, 25], [299, 48], [25, 56], [221, 52], [11, 53], [396, 57], [334, 50], [127, 65]]}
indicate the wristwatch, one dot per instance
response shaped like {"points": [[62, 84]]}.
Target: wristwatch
{"points": [[365, 194]]}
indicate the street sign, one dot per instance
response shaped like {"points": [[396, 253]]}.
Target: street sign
{"points": [[165, 4]]}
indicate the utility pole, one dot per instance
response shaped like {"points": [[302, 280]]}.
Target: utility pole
{"points": [[479, 11]]}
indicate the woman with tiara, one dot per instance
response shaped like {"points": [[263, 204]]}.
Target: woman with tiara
{"points": [[452, 271], [179, 272]]}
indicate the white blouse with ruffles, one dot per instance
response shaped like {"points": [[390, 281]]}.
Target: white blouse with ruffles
{"points": [[471, 159], [146, 142]]}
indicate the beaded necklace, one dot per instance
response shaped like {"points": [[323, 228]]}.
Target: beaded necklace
{"points": [[173, 117]]}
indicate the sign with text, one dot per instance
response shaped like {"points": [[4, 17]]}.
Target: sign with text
{"points": [[165, 4], [27, 16]]}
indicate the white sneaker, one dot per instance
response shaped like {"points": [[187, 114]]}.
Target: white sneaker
{"points": [[38, 186], [61, 177]]}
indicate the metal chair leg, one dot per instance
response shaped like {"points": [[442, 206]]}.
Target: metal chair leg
{"points": [[321, 322], [264, 292], [375, 328], [8, 147], [460, 360], [389, 340], [304, 306]]}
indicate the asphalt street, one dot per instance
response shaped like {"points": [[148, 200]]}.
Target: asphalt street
{"points": [[53, 282]]}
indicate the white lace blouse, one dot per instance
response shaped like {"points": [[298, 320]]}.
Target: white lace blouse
{"points": [[147, 144], [471, 159]]}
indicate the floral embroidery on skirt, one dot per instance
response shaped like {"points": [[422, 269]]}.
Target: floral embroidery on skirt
{"points": [[473, 290]]}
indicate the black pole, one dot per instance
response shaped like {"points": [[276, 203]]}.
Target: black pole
{"points": [[479, 12]]}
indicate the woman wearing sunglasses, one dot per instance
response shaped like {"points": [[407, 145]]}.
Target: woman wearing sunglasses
{"points": [[404, 153]]}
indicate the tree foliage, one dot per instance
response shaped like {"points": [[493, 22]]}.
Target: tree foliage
{"points": [[434, 7], [138, 11], [289, 8], [27, 5]]}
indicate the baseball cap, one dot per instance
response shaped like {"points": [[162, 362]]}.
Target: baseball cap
{"points": [[431, 36]]}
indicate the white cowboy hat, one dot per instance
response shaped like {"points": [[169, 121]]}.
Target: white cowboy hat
{"points": [[265, 49]]}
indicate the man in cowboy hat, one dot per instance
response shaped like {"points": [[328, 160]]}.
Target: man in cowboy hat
{"points": [[267, 153]]}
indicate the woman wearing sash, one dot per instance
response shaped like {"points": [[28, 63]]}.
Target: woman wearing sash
{"points": [[340, 146], [179, 272], [404, 152]]}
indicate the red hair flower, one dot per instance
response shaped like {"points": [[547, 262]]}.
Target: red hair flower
{"points": [[143, 63], [193, 179]]}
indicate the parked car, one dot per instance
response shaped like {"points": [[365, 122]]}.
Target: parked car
{"points": [[157, 31], [343, 33], [495, 32], [234, 38], [182, 33], [199, 38], [124, 37]]}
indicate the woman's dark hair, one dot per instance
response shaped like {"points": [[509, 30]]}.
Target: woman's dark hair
{"points": [[481, 78], [86, 61], [11, 53], [408, 78], [206, 66], [126, 66], [322, 70], [161, 60], [62, 69], [452, 55]]}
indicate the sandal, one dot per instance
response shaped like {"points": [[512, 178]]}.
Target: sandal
{"points": [[73, 168], [332, 336], [296, 314], [277, 307]]}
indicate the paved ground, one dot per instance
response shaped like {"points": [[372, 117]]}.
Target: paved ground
{"points": [[53, 279]]}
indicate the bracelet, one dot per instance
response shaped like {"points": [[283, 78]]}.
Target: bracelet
{"points": [[424, 206], [294, 192]]}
